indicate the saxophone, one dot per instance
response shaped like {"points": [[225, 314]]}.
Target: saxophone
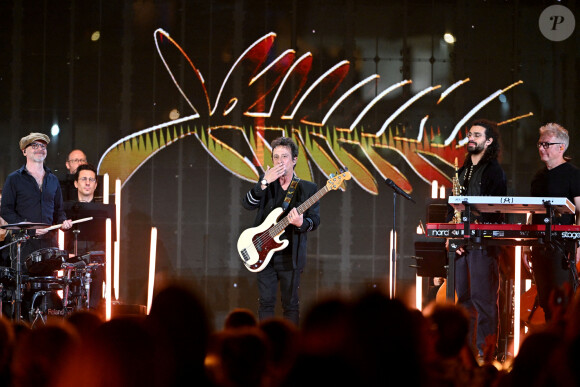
{"points": [[457, 188]]}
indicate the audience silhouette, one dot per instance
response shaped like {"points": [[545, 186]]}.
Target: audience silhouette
{"points": [[365, 340]]}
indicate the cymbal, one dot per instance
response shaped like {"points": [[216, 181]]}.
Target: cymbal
{"points": [[24, 226]]}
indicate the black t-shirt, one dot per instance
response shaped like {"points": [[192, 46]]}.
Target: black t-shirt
{"points": [[562, 181]]}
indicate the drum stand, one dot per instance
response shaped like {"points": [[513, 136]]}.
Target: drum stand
{"points": [[87, 276], [36, 312], [18, 291]]}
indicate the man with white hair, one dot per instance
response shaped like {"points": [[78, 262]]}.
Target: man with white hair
{"points": [[554, 263]]}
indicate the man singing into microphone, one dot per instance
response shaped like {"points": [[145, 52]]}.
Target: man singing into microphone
{"points": [[477, 268]]}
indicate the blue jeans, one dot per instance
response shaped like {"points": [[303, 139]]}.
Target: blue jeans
{"points": [[477, 287], [279, 270]]}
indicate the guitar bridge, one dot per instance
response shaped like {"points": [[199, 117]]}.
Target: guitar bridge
{"points": [[245, 255]]}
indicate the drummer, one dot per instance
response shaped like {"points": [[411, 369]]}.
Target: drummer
{"points": [[4, 256], [32, 194], [2, 223]]}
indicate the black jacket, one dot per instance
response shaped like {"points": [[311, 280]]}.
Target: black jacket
{"points": [[493, 183], [265, 201]]}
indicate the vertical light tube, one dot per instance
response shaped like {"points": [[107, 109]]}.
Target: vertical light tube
{"points": [[106, 188], [117, 258], [395, 264], [517, 295], [527, 286], [419, 292], [115, 271], [60, 240], [60, 273], [152, 258], [434, 189], [108, 281], [391, 287]]}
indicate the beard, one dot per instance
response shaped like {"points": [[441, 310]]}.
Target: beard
{"points": [[475, 149], [39, 157]]}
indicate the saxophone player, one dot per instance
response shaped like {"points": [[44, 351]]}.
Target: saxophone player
{"points": [[477, 268]]}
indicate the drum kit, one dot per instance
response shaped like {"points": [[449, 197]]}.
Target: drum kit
{"points": [[53, 283]]}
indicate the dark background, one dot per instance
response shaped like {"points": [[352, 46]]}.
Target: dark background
{"points": [[98, 92]]}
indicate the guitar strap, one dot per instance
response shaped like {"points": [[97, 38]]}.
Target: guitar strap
{"points": [[290, 192]]}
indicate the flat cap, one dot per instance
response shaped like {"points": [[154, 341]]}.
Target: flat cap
{"points": [[25, 141]]}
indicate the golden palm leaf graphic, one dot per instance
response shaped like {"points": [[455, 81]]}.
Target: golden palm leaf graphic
{"points": [[127, 155], [328, 148]]}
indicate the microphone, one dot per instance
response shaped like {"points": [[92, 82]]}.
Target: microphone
{"points": [[398, 189]]}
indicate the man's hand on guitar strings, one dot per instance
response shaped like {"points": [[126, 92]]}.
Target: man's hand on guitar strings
{"points": [[295, 218]]}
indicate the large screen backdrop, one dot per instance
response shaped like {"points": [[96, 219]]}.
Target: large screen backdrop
{"points": [[180, 100]]}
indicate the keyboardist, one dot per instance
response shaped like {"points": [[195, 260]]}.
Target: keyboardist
{"points": [[554, 264], [477, 270]]}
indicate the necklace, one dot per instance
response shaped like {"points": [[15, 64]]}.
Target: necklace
{"points": [[468, 174]]}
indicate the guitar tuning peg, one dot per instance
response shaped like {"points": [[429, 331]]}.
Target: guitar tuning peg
{"points": [[341, 170], [331, 176]]}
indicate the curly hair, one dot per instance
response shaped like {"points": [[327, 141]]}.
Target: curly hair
{"points": [[493, 150]]}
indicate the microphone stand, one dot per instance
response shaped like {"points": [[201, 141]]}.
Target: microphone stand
{"points": [[396, 191]]}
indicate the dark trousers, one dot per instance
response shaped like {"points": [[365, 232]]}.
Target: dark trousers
{"points": [[477, 287], [551, 270], [279, 270]]}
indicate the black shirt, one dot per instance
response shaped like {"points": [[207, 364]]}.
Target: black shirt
{"points": [[22, 200], [558, 182], [486, 179]]}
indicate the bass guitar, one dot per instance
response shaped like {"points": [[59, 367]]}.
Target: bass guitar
{"points": [[256, 245]]}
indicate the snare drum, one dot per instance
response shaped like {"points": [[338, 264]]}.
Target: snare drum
{"points": [[44, 262]]}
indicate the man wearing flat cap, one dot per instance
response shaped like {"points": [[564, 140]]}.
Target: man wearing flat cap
{"points": [[32, 194]]}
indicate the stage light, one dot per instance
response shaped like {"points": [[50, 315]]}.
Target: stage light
{"points": [[392, 265], [152, 260], [108, 269], [55, 130], [449, 38], [61, 239], [96, 36], [117, 245], [502, 98], [434, 189], [174, 114], [106, 188], [517, 297], [419, 292]]}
